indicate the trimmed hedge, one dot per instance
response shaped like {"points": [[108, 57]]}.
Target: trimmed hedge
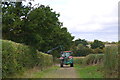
{"points": [[93, 59], [16, 57], [89, 59], [44, 60]]}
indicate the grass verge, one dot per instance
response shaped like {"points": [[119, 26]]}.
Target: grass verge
{"points": [[41, 74], [89, 71], [34, 73]]}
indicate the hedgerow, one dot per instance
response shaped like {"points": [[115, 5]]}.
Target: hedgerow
{"points": [[16, 57], [78, 60], [93, 59], [90, 59], [111, 61]]}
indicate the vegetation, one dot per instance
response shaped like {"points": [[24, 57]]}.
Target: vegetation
{"points": [[108, 62], [93, 59], [37, 27], [78, 60], [81, 41], [80, 48], [98, 51], [83, 51], [97, 44], [89, 71], [90, 59], [35, 72], [16, 57], [111, 62]]}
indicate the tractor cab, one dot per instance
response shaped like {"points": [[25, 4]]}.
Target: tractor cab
{"points": [[66, 54]]}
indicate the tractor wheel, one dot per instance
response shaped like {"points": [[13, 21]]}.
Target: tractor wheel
{"points": [[71, 65], [61, 65]]}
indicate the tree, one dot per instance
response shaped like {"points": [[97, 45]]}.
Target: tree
{"points": [[81, 50], [13, 23], [97, 44], [98, 51], [81, 41], [37, 27]]}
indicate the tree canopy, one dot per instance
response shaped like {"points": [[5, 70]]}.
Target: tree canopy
{"points": [[81, 41], [97, 44], [38, 27]]}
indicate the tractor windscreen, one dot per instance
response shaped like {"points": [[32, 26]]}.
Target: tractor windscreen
{"points": [[66, 54]]}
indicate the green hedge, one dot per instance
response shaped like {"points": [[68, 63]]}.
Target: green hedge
{"points": [[111, 61], [78, 61], [90, 59], [44, 60], [16, 57], [93, 59]]}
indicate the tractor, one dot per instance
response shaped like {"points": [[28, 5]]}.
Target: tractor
{"points": [[66, 58]]}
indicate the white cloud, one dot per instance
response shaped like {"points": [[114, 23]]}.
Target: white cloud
{"points": [[94, 12], [85, 15]]}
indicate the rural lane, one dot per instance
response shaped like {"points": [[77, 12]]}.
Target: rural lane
{"points": [[64, 72]]}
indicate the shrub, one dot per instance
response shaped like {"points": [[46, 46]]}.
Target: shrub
{"points": [[16, 57], [82, 50]]}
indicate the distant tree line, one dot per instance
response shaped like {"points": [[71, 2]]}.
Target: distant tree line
{"points": [[81, 47]]}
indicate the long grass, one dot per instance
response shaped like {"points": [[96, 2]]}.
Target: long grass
{"points": [[111, 62], [91, 71]]}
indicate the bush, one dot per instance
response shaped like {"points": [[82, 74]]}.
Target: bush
{"points": [[82, 50], [97, 44], [16, 57], [98, 51]]}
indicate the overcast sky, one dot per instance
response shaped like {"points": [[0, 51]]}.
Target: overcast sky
{"points": [[87, 19]]}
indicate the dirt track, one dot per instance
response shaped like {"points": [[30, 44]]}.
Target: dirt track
{"points": [[65, 72]]}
